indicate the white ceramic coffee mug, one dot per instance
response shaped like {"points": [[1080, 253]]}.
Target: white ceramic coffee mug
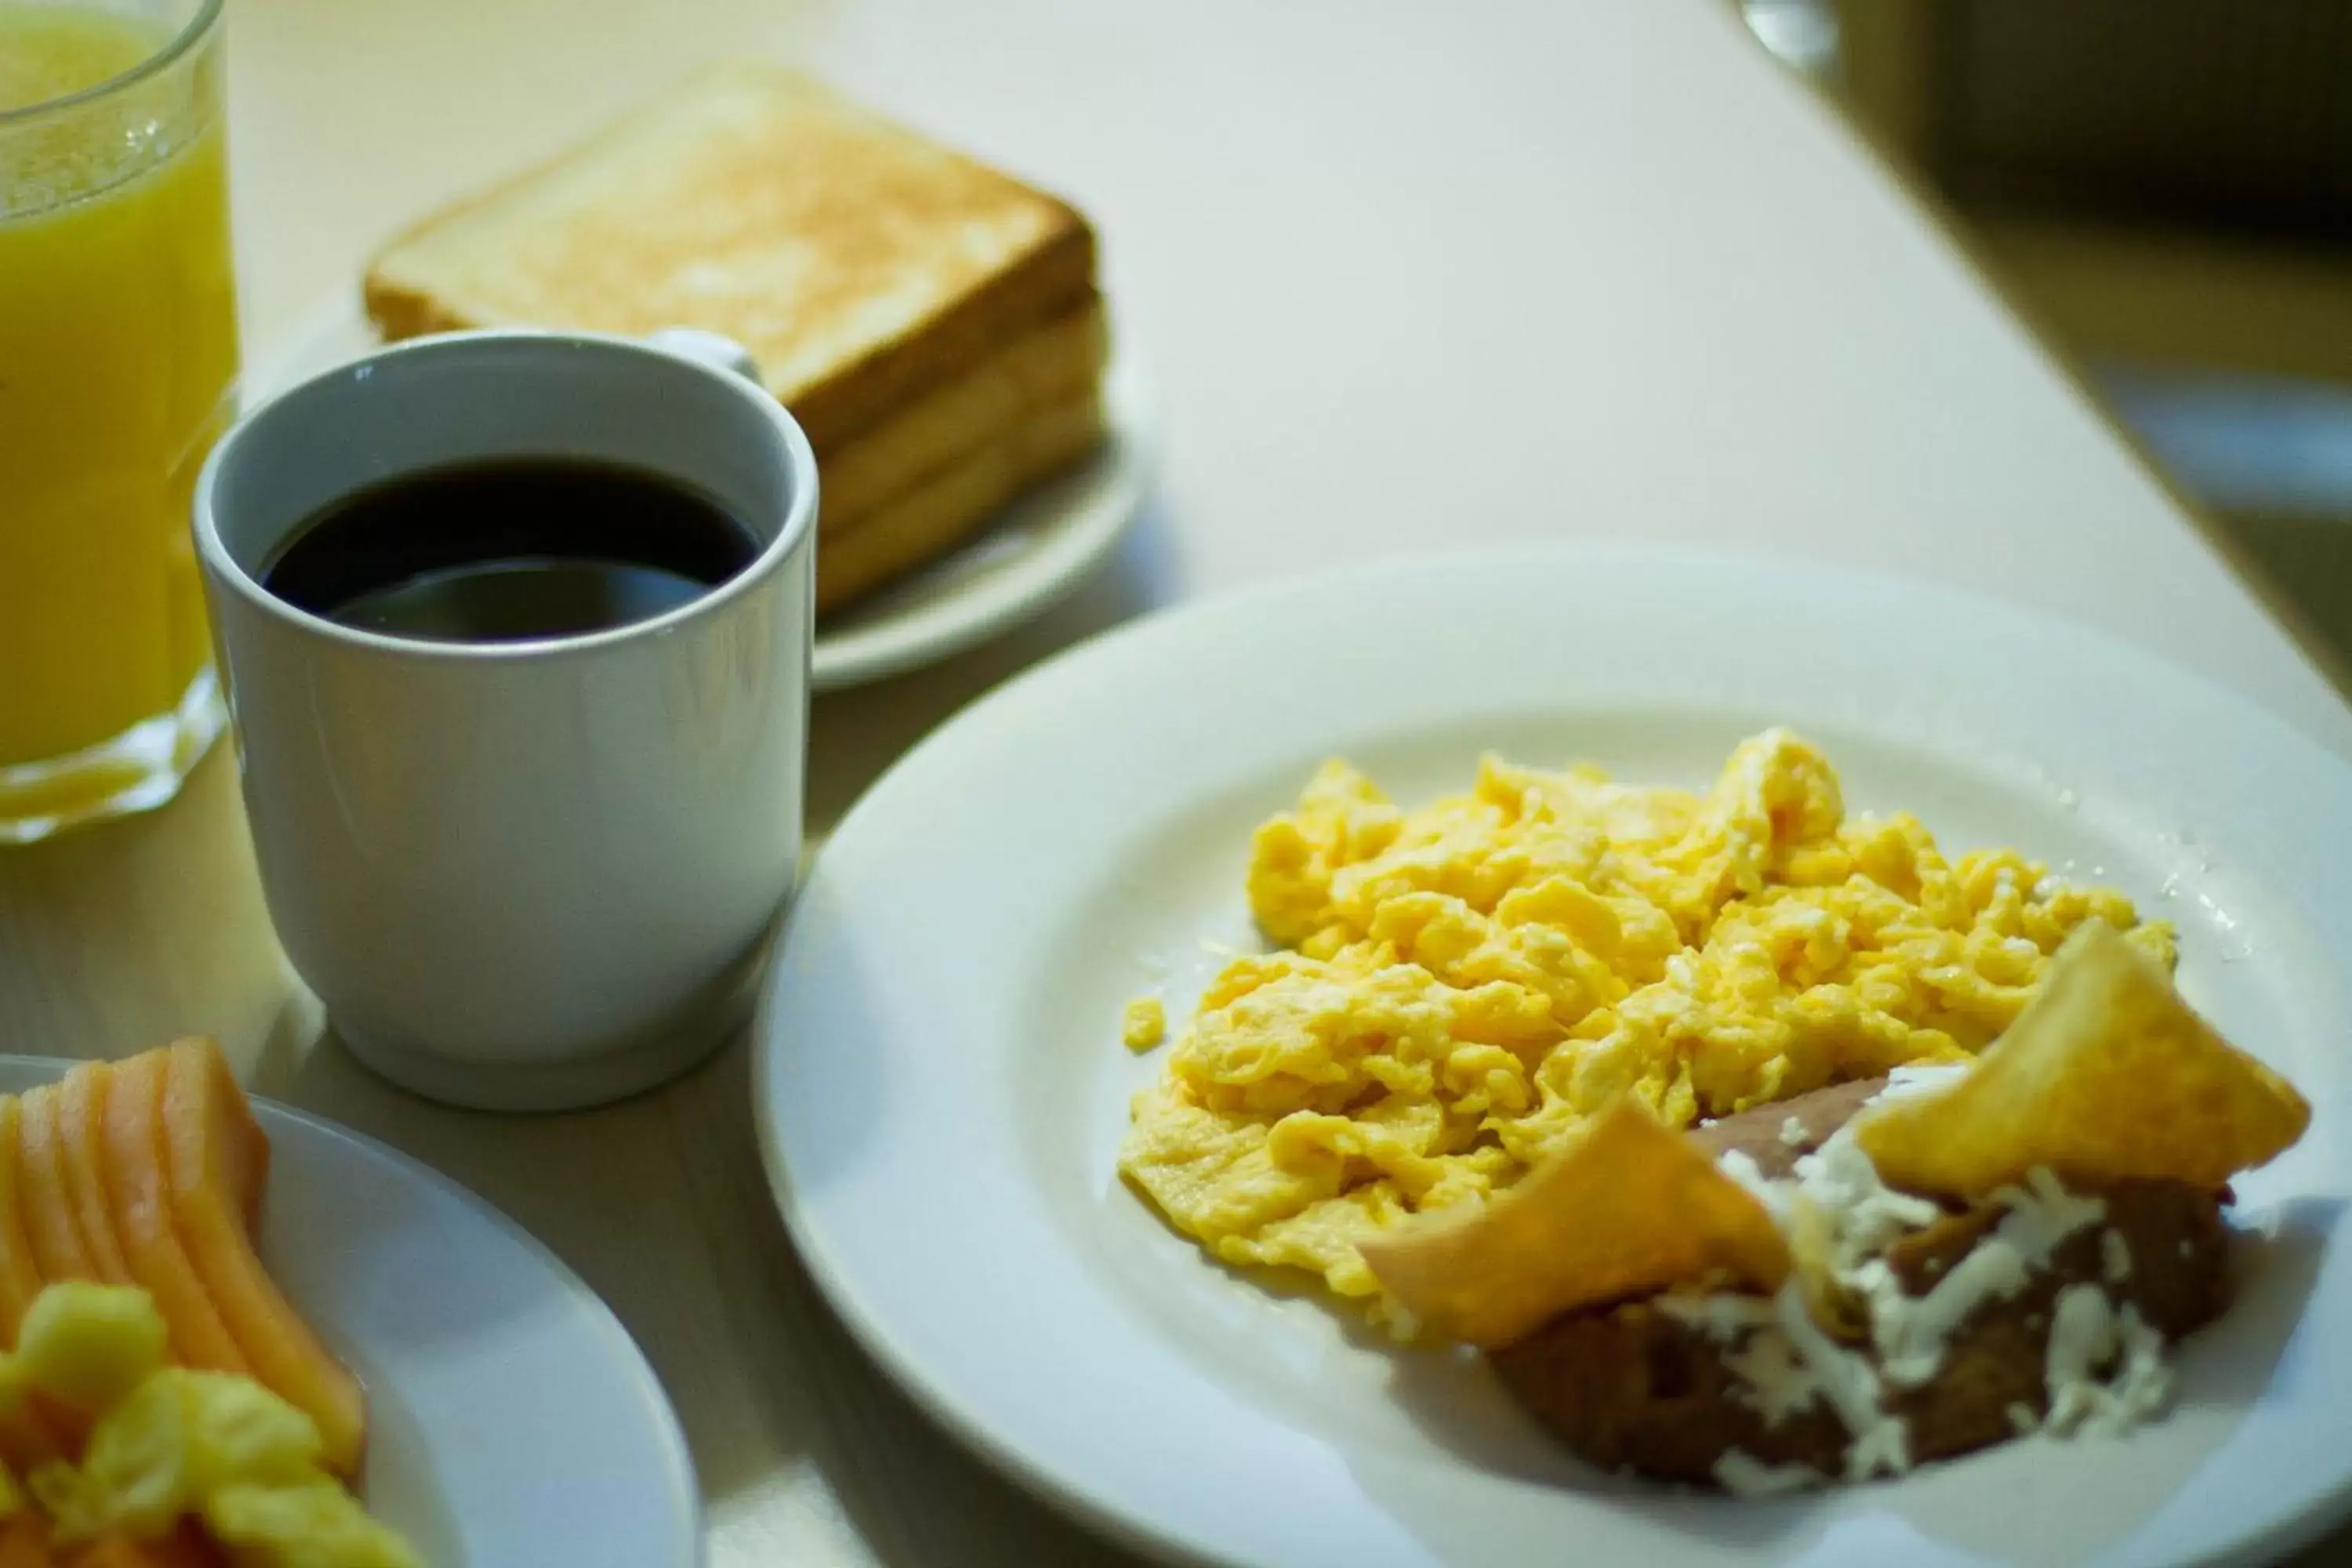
{"points": [[527, 875]]}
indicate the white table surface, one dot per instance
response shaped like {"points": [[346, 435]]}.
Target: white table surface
{"points": [[1407, 277]]}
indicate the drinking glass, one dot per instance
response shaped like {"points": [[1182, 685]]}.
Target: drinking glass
{"points": [[118, 366]]}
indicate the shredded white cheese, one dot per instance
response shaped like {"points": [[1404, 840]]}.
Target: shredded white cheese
{"points": [[1745, 1474], [2044, 1214], [1848, 1382], [2086, 1333], [1772, 1380], [1720, 1315], [1793, 1133], [1742, 1168], [1918, 1077], [1912, 1332], [2114, 1258], [1865, 1213], [2082, 1341], [1785, 1362]]}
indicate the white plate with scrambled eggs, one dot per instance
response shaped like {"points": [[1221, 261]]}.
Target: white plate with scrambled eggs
{"points": [[511, 1420], [1114, 1012]]}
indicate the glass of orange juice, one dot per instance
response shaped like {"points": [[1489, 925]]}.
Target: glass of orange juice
{"points": [[118, 368]]}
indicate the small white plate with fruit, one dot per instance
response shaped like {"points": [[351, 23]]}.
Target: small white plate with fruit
{"points": [[225, 1313]]}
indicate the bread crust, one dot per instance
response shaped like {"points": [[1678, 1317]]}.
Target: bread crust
{"points": [[1060, 360], [955, 503]]}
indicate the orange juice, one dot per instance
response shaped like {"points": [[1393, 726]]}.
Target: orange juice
{"points": [[118, 358]]}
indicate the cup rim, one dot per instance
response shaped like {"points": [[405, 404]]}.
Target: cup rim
{"points": [[191, 34], [798, 528]]}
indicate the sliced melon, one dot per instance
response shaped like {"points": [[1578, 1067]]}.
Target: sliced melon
{"points": [[117, 1550], [24, 1542], [20, 1275], [27, 1438], [209, 1141], [81, 1154], [58, 1249], [140, 1194]]}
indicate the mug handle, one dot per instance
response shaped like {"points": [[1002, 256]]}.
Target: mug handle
{"points": [[712, 349]]}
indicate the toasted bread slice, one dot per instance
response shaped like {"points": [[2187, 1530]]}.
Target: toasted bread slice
{"points": [[955, 501], [861, 264], [1053, 364]]}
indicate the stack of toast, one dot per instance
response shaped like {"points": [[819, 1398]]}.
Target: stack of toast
{"points": [[934, 325]]}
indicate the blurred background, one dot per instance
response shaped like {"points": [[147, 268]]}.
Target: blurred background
{"points": [[2163, 188]]}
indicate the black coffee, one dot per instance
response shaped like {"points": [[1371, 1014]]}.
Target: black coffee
{"points": [[498, 552]]}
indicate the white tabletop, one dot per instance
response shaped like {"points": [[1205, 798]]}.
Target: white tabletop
{"points": [[1407, 277]]}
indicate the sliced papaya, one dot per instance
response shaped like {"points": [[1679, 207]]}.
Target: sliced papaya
{"points": [[187, 1547], [81, 1154], [110, 1550], [209, 1153], [241, 1148], [139, 1191], [20, 1275], [58, 1249], [117, 1550], [30, 1435], [24, 1542], [25, 1440]]}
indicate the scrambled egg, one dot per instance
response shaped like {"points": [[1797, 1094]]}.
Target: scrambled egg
{"points": [[1144, 1023], [1459, 986]]}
